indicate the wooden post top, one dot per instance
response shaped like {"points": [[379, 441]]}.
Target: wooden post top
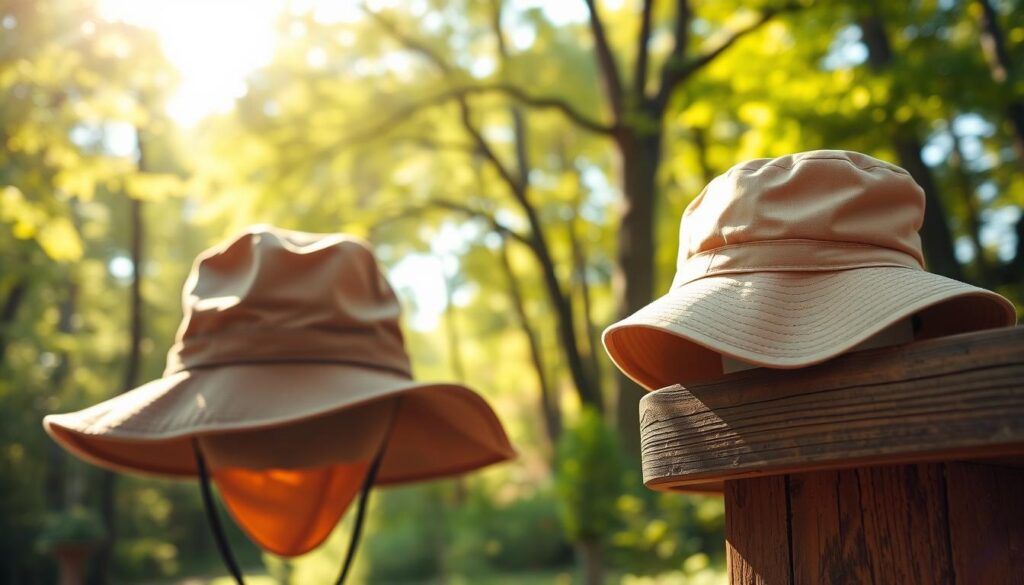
{"points": [[958, 397]]}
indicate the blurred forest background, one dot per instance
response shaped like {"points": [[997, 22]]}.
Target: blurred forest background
{"points": [[520, 166]]}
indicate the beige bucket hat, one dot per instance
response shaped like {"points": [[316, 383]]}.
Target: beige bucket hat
{"points": [[790, 261], [291, 379]]}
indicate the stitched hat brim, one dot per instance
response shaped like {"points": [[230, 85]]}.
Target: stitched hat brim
{"points": [[439, 429], [789, 319]]}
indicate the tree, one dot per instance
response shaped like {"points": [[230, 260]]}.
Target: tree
{"points": [[1005, 76], [937, 240], [589, 483], [635, 131]]}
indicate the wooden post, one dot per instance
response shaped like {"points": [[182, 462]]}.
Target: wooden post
{"points": [[898, 465]]}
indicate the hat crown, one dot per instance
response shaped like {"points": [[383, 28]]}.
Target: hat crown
{"points": [[823, 197], [280, 295]]}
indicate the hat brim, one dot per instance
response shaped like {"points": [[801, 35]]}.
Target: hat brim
{"points": [[789, 319], [439, 429]]}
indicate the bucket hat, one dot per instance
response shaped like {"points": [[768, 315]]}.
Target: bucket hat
{"points": [[790, 261], [288, 385]]}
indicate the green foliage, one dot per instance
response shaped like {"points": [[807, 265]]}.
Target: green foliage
{"points": [[662, 532], [589, 478], [418, 558], [450, 530], [76, 525], [521, 535], [146, 557]]}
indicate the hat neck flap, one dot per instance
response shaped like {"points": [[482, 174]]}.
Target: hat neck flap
{"points": [[291, 510]]}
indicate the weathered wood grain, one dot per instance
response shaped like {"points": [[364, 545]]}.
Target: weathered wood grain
{"points": [[870, 525], [986, 523], [952, 398], [757, 545], [827, 535]]}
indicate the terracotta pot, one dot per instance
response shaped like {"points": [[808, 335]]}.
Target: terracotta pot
{"points": [[72, 558]]}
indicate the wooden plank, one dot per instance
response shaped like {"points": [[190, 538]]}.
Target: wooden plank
{"points": [[870, 525], [827, 536], [756, 532], [986, 523], [951, 398], [905, 523]]}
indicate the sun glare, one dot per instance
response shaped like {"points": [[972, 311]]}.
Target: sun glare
{"points": [[214, 44]]}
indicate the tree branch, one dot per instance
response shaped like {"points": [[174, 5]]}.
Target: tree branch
{"points": [[409, 41], [606, 64], [508, 89], [679, 70], [538, 243], [485, 149], [461, 208], [642, 52], [518, 123], [676, 57], [548, 102], [496, 225], [549, 403], [496, 28], [435, 145], [993, 43], [407, 111]]}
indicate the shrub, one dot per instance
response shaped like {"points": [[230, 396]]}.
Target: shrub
{"points": [[589, 478], [76, 525]]}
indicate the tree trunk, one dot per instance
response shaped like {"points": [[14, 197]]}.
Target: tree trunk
{"points": [[458, 369], [993, 45], [452, 330], [634, 278], [936, 237], [562, 305], [550, 404], [108, 481], [581, 286], [9, 312], [56, 457], [700, 142], [591, 560], [965, 180]]}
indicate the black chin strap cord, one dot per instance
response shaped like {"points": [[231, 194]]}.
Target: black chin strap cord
{"points": [[211, 515], [357, 528], [218, 530]]}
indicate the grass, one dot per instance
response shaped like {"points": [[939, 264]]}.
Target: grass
{"points": [[710, 576]]}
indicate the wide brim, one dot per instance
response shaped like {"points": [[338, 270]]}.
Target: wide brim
{"points": [[440, 429], [789, 319]]}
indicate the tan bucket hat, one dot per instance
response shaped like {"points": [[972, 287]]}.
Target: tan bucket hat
{"points": [[790, 261], [290, 378]]}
